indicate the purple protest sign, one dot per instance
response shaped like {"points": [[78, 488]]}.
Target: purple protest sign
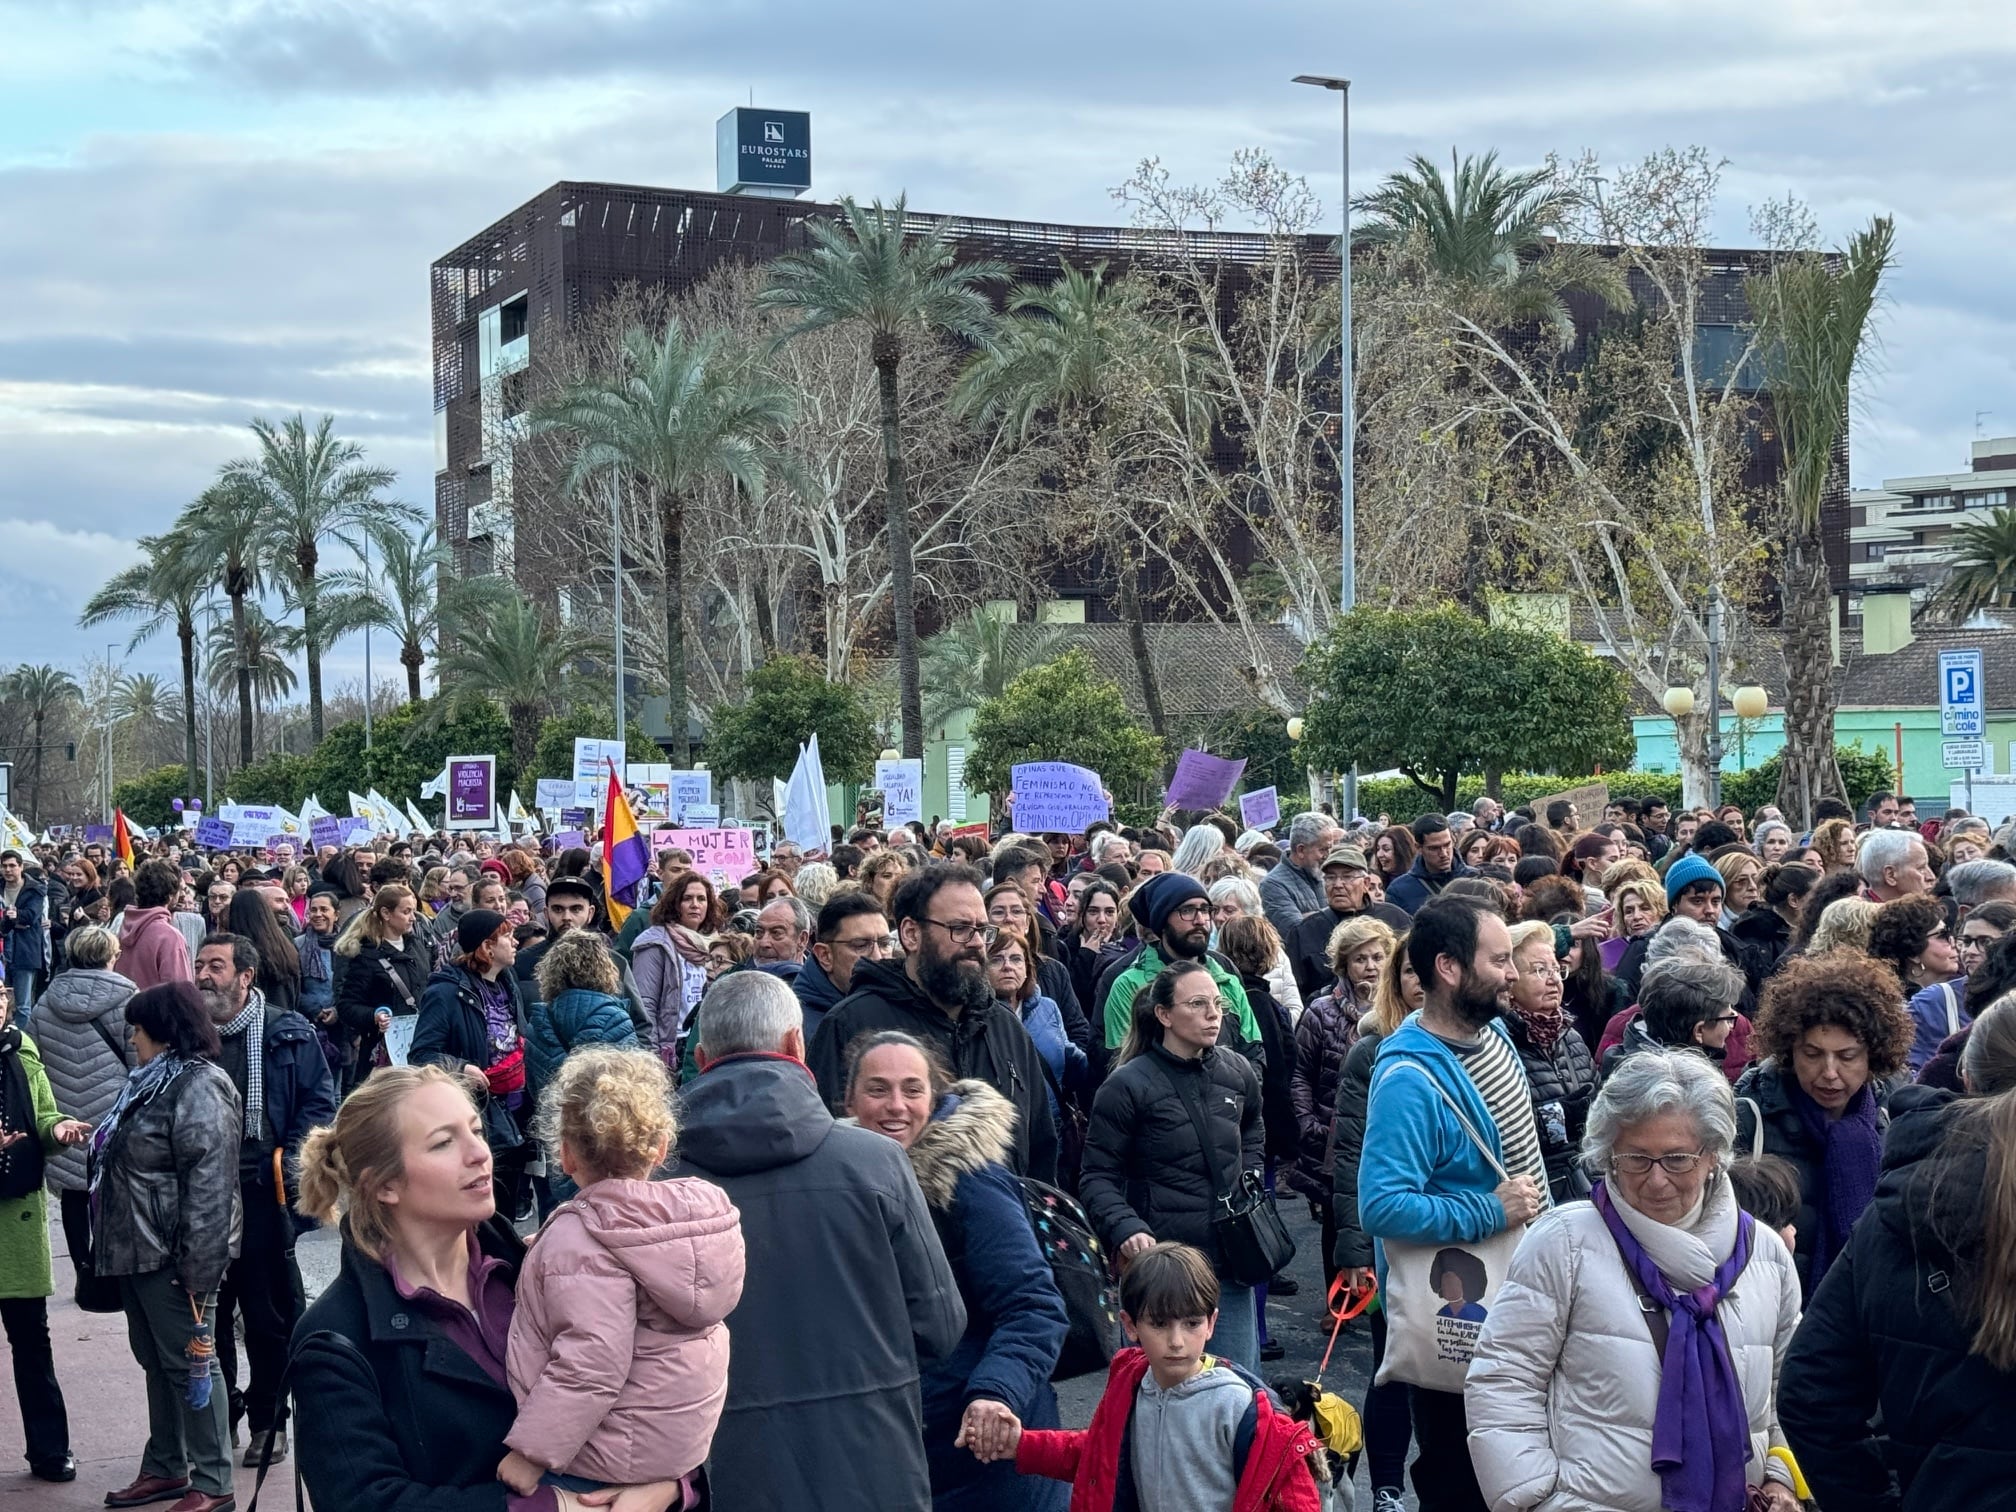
{"points": [[472, 792], [97, 834], [213, 834], [327, 830], [568, 839], [576, 818], [1260, 809], [1204, 781]]}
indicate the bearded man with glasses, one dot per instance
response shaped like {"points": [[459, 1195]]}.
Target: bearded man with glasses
{"points": [[939, 991]]}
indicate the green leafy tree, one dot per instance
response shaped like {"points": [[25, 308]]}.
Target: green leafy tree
{"points": [[162, 591], [521, 660], [221, 534], [975, 660], [408, 747], [898, 285], [1814, 312], [277, 777], [313, 487], [787, 701], [1065, 711], [1436, 693], [554, 755], [149, 798], [1862, 773], [679, 409], [42, 691]]}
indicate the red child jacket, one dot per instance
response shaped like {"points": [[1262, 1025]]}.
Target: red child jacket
{"points": [[1274, 1478]]}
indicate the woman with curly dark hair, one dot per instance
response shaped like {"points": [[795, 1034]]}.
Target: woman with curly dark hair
{"points": [[1910, 935], [1831, 1031]]}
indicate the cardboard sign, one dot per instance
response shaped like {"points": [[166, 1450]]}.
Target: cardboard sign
{"points": [[723, 856], [213, 834], [1261, 809], [327, 830], [1055, 797], [1202, 781], [1590, 800], [553, 793], [902, 785], [472, 792]]}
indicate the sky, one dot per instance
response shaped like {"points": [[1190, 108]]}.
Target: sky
{"points": [[211, 211]]}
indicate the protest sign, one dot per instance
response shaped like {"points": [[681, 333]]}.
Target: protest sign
{"points": [[649, 802], [591, 768], [1055, 797], [978, 830], [703, 815], [1589, 801], [1202, 781], [326, 830], [251, 824], [723, 856], [213, 834], [97, 834], [568, 839], [690, 790], [902, 785], [553, 793], [1260, 809], [399, 1037], [472, 792], [576, 818]]}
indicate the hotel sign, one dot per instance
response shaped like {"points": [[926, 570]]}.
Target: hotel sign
{"points": [[763, 151]]}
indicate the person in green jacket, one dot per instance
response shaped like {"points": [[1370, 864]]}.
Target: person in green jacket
{"points": [[31, 1128], [1174, 915]]}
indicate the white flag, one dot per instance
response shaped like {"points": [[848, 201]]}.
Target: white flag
{"points": [[360, 807], [434, 787], [311, 810], [806, 820], [417, 819], [518, 814]]}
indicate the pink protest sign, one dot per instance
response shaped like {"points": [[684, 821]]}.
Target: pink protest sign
{"points": [[723, 856]]}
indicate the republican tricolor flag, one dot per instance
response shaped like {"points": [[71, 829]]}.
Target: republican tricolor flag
{"points": [[626, 859], [122, 838]]}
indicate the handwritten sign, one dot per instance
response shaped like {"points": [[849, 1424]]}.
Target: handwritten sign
{"points": [[251, 824], [554, 792], [568, 840], [213, 834], [723, 856], [399, 1037], [591, 768], [902, 784], [326, 830], [1202, 781], [472, 792], [1055, 797], [1260, 809], [690, 790]]}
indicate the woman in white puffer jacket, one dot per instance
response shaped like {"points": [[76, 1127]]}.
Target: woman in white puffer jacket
{"points": [[1570, 1406]]}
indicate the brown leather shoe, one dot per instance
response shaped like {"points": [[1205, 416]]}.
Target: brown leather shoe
{"points": [[203, 1501], [149, 1488]]}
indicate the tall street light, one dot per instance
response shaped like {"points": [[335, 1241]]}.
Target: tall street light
{"points": [[616, 557], [1347, 583]]}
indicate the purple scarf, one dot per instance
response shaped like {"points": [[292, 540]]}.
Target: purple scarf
{"points": [[1851, 1155], [1701, 1432]]}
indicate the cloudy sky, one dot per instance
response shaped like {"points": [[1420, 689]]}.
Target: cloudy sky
{"points": [[211, 210]]}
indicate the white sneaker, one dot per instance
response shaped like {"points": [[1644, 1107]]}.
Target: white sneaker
{"points": [[1386, 1499]]}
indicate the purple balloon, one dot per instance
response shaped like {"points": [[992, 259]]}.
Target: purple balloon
{"points": [[196, 804], [176, 805]]}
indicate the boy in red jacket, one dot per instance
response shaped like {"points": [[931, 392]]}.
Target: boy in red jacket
{"points": [[1178, 1430]]}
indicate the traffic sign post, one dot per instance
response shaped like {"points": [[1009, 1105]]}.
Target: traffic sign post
{"points": [[1963, 713]]}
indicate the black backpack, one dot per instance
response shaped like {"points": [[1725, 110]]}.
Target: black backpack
{"points": [[1077, 1263]]}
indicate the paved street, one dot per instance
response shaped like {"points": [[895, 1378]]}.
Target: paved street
{"points": [[102, 1385]]}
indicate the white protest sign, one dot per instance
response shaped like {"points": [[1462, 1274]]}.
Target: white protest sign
{"points": [[902, 784], [554, 793], [1055, 797], [591, 768], [703, 815], [399, 1037], [689, 790]]}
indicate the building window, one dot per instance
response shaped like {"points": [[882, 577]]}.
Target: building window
{"points": [[512, 318], [1878, 550]]}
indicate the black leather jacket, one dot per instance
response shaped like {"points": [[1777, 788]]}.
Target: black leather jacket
{"points": [[169, 1193]]}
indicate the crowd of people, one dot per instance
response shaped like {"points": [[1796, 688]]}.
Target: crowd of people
{"points": [[1673, 1148]]}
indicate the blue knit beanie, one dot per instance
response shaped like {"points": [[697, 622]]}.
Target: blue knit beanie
{"points": [[1685, 872]]}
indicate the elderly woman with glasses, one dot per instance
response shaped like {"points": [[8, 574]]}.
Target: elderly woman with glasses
{"points": [[1629, 1359]]}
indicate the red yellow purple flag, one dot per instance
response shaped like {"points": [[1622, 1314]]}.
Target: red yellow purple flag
{"points": [[626, 859], [122, 837]]}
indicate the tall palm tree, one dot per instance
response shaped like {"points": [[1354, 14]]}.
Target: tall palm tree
{"points": [[677, 409], [163, 589], [513, 655], [410, 591], [975, 660], [42, 690], [1984, 566], [253, 653], [316, 487], [145, 703], [1815, 311], [863, 269], [1488, 230], [221, 532], [1068, 349]]}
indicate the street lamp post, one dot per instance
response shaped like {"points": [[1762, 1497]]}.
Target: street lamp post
{"points": [[367, 657], [616, 558], [1347, 584]]}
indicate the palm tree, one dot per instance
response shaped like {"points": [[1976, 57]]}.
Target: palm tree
{"points": [[678, 409], [221, 531], [315, 487], [977, 658], [1068, 348], [146, 702], [44, 690], [1815, 312], [513, 655], [1489, 231], [864, 270], [253, 652], [1984, 566], [165, 588], [411, 593]]}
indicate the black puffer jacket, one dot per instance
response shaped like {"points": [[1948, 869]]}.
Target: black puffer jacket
{"points": [[1144, 1172], [1322, 1038], [365, 983], [1888, 1329], [1354, 1090], [990, 1046], [1563, 1079], [169, 1193], [1277, 1097], [1764, 937]]}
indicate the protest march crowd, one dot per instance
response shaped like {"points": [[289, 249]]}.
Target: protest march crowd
{"points": [[1669, 1158]]}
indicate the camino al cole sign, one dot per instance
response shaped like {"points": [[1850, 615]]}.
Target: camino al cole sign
{"points": [[763, 151]]}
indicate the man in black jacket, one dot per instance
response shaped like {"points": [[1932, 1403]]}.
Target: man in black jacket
{"points": [[941, 994], [1347, 880]]}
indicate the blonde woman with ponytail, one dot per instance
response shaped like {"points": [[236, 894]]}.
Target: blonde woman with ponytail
{"points": [[1919, 1312], [403, 1356]]}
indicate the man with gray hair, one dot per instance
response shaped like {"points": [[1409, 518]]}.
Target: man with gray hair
{"points": [[1893, 864], [1973, 883], [847, 1285], [1487, 812], [1293, 890], [783, 931]]}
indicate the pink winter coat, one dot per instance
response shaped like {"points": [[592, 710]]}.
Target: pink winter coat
{"points": [[152, 950], [618, 1353]]}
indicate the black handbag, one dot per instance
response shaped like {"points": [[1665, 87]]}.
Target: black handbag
{"points": [[1253, 1242]]}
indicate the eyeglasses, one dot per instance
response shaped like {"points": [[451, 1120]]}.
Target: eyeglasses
{"points": [[1679, 1163], [1191, 912], [964, 933], [866, 944], [1212, 1004], [1941, 933]]}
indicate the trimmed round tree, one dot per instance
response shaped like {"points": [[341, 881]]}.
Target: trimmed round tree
{"points": [[1066, 711]]}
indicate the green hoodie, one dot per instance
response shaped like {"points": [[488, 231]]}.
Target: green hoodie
{"points": [[1119, 1010]]}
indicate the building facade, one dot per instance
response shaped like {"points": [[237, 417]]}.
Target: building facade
{"points": [[1902, 533]]}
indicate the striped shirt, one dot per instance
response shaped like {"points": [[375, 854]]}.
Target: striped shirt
{"points": [[1494, 1069]]}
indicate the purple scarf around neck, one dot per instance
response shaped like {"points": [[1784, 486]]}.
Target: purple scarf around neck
{"points": [[1701, 1432], [1851, 1157]]}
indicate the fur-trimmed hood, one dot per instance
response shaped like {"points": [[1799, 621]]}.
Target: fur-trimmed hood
{"points": [[972, 1126]]}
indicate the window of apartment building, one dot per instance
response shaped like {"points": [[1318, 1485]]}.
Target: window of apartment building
{"points": [[1936, 501], [1993, 498], [511, 319], [1878, 550]]}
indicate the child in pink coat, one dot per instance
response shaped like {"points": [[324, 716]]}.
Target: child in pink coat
{"points": [[618, 1354]]}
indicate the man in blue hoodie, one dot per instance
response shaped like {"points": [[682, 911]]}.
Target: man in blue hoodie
{"points": [[1421, 1179]]}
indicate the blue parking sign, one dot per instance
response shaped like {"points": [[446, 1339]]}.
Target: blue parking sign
{"points": [[1962, 699]]}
